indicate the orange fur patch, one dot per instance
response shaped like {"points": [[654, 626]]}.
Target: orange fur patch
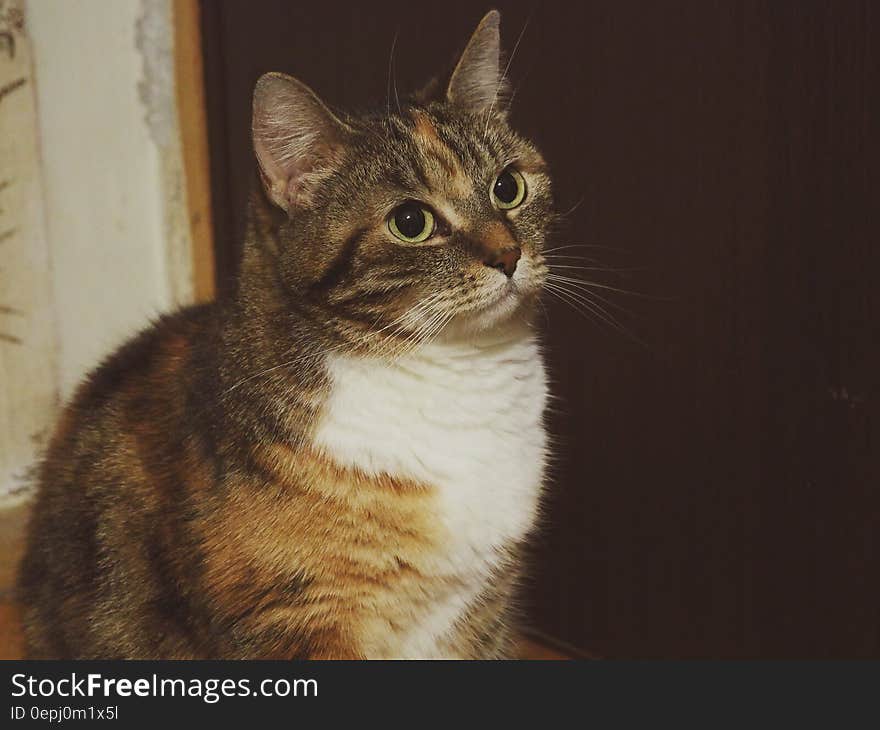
{"points": [[329, 530]]}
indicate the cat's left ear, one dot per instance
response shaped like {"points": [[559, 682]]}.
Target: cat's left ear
{"points": [[297, 139], [478, 82]]}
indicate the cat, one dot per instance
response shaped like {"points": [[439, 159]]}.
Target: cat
{"points": [[344, 459]]}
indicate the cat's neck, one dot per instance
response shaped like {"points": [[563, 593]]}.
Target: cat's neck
{"points": [[430, 395], [464, 418], [474, 350]]}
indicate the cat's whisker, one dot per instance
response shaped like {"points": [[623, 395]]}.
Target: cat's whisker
{"points": [[583, 300], [610, 302], [606, 269], [587, 245], [589, 308], [510, 101], [431, 332], [405, 320], [429, 329], [570, 257], [589, 300], [433, 325], [544, 311], [400, 321], [390, 73], [592, 284], [265, 372], [573, 208], [593, 295], [565, 299], [593, 306]]}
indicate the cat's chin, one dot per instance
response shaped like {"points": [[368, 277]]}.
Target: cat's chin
{"points": [[508, 311]]}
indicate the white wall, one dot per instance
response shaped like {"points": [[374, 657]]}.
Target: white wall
{"points": [[28, 382], [102, 163], [112, 180]]}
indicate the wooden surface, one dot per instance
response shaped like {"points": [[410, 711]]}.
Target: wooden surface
{"points": [[11, 644], [715, 489], [12, 527], [10, 632], [12, 523], [189, 80]]}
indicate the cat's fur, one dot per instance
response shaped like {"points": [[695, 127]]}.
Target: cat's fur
{"points": [[344, 459]]}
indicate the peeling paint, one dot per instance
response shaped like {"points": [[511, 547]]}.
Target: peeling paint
{"points": [[28, 348], [7, 89], [154, 39]]}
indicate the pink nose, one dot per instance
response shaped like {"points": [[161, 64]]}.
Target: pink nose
{"points": [[504, 260]]}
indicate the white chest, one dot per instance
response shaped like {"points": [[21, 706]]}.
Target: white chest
{"points": [[465, 419]]}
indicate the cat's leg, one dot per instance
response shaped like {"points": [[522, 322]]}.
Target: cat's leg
{"points": [[285, 637], [40, 641], [489, 628]]}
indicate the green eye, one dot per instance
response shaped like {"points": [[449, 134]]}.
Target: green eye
{"points": [[509, 189], [412, 223]]}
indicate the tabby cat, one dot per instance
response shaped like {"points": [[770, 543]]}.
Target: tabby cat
{"points": [[343, 459]]}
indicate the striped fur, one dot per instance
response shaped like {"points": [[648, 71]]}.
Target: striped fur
{"points": [[343, 459]]}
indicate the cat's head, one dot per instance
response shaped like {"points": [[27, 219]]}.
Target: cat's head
{"points": [[425, 219]]}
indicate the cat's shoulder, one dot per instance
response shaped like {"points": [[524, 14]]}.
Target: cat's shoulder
{"points": [[168, 343]]}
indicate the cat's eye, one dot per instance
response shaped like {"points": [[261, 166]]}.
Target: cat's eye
{"points": [[509, 189], [411, 222]]}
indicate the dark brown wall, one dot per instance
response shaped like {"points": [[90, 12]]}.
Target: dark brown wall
{"points": [[717, 489]]}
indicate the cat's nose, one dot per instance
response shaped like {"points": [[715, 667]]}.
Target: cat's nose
{"points": [[504, 260]]}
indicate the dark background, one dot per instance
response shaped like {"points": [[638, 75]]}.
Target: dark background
{"points": [[717, 489]]}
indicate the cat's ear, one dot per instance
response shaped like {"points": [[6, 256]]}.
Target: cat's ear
{"points": [[478, 82], [297, 139]]}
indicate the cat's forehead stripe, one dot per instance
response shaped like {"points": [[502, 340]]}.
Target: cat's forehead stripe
{"points": [[435, 149]]}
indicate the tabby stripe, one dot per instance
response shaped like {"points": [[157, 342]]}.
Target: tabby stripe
{"points": [[342, 263]]}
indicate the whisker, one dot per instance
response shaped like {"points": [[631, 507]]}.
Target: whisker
{"points": [[510, 100], [433, 325], [609, 302], [399, 322], [594, 306], [574, 207], [428, 332], [596, 268], [572, 257], [567, 300], [411, 314], [390, 66], [593, 284], [544, 312], [587, 245], [265, 372], [585, 307], [392, 75], [594, 309]]}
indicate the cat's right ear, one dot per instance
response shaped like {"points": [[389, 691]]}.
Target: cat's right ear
{"points": [[478, 82], [297, 139]]}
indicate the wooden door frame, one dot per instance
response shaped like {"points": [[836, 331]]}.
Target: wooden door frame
{"points": [[190, 90]]}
